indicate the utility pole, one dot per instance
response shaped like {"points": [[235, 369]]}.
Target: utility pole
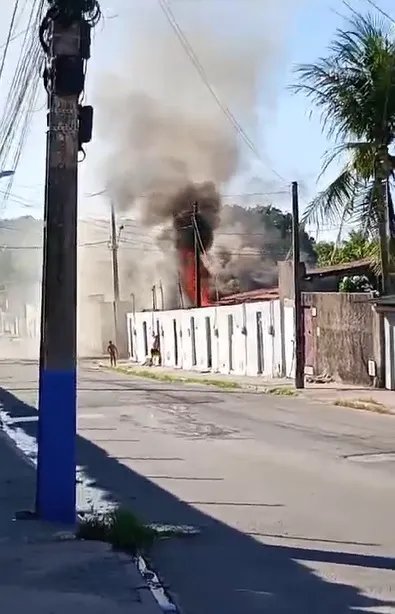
{"points": [[65, 36], [298, 309], [381, 190], [198, 292], [162, 296], [115, 274], [154, 302], [180, 293]]}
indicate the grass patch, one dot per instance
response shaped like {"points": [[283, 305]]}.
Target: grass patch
{"points": [[219, 383], [126, 533], [177, 379], [120, 528], [364, 404], [282, 391]]}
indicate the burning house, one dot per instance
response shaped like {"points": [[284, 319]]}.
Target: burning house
{"points": [[196, 211]]}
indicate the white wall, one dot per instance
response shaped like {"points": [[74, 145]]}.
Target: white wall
{"points": [[232, 339], [389, 337], [264, 357], [221, 339], [289, 338]]}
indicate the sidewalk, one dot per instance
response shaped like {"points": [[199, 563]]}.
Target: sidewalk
{"points": [[44, 573], [329, 393]]}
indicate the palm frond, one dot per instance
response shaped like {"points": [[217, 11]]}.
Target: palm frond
{"points": [[329, 205], [362, 157], [368, 208], [353, 87], [363, 160]]}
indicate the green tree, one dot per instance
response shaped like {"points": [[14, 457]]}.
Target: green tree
{"points": [[355, 247], [354, 89], [325, 251]]}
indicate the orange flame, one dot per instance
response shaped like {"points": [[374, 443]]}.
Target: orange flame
{"points": [[188, 281]]}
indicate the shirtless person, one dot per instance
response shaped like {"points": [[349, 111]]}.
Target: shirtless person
{"points": [[113, 352]]}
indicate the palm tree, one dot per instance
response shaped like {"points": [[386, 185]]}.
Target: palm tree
{"points": [[354, 89]]}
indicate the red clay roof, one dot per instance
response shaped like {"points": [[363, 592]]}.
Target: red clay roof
{"points": [[355, 265], [262, 294]]}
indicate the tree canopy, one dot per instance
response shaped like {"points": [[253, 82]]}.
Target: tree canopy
{"points": [[355, 247], [353, 88]]}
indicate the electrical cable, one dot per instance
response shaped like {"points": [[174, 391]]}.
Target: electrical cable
{"points": [[380, 10], [240, 195], [40, 247], [202, 248], [22, 96], [89, 10], [10, 31], [200, 69], [13, 38]]}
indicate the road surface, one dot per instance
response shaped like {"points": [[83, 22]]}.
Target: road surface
{"points": [[295, 501]]}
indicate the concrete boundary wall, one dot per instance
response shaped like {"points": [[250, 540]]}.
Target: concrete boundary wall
{"points": [[241, 339]]}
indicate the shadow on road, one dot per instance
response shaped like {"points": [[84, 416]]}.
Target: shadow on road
{"points": [[222, 569]]}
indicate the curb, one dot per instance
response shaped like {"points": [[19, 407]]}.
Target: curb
{"points": [[27, 449]]}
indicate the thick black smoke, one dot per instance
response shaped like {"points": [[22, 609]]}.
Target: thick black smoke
{"points": [[169, 143], [205, 198]]}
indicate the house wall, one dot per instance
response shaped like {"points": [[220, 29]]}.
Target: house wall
{"points": [[271, 347], [144, 326], [343, 337], [389, 334], [289, 338], [342, 334], [220, 339], [90, 329], [232, 346]]}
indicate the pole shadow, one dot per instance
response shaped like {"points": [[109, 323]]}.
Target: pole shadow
{"points": [[222, 569]]}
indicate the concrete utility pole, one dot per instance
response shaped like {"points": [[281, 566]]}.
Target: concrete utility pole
{"points": [[298, 309], [115, 273], [198, 292], [154, 301], [65, 36], [381, 191], [133, 301], [162, 296], [180, 293]]}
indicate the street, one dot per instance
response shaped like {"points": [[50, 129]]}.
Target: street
{"points": [[294, 500]]}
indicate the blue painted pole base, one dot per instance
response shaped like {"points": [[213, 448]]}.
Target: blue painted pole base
{"points": [[56, 461]]}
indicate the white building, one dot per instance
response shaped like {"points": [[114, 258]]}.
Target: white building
{"points": [[243, 339]]}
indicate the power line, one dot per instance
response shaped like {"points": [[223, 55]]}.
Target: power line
{"points": [[22, 96], [380, 10], [10, 30], [239, 195], [14, 38], [40, 247], [249, 253], [201, 71]]}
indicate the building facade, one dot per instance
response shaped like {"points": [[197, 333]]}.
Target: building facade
{"points": [[243, 339]]}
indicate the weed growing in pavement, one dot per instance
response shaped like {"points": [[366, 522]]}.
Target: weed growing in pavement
{"points": [[125, 532], [364, 404], [120, 528], [282, 391], [176, 379]]}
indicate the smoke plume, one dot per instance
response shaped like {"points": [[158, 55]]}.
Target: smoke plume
{"points": [[169, 142]]}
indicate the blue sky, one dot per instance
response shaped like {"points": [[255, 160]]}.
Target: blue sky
{"points": [[292, 140]]}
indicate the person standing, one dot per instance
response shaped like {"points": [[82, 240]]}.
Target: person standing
{"points": [[113, 353], [155, 351]]}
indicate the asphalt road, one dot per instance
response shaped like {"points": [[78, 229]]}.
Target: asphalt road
{"points": [[295, 501]]}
